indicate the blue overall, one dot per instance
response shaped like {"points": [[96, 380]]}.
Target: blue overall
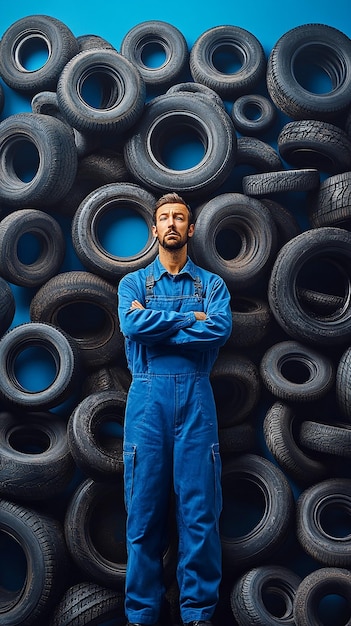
{"points": [[171, 435]]}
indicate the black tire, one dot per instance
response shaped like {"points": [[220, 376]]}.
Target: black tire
{"points": [[95, 531], [330, 205], [253, 480], [86, 237], [99, 455], [49, 144], [326, 252], [59, 42], [7, 306], [237, 439], [334, 439], [316, 144], [197, 88], [47, 233], [286, 223], [319, 512], [294, 372], [253, 114], [281, 428], [2, 98], [343, 384], [106, 378], [313, 591], [46, 103], [88, 604], [236, 387], [306, 46], [86, 42], [155, 34], [122, 92], [258, 154], [253, 239], [35, 458], [251, 321], [42, 544], [266, 183], [245, 49], [84, 306], [102, 167], [170, 117], [265, 596], [54, 343]]}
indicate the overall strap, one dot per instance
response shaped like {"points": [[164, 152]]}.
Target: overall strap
{"points": [[198, 287], [149, 286]]}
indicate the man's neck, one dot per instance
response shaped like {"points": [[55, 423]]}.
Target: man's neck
{"points": [[173, 260]]}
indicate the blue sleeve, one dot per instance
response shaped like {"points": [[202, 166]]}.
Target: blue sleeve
{"points": [[147, 326], [215, 330]]}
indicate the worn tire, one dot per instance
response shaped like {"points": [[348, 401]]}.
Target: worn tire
{"points": [[46, 562], [294, 372], [99, 455], [122, 92], [315, 588], [266, 183], [96, 333], [52, 165], [308, 44], [246, 50], [259, 591], [101, 203], [318, 530], [164, 36], [253, 114], [35, 458], [254, 476], [7, 306], [58, 346], [169, 117], [330, 205], [87, 604], [47, 233], [59, 41], [331, 246], [251, 223]]}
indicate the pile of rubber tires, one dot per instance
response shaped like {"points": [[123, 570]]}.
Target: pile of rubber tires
{"points": [[271, 192]]}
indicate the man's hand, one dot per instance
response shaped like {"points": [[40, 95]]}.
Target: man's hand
{"points": [[136, 305], [200, 315]]}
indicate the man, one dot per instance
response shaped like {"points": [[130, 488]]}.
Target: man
{"points": [[175, 316]]}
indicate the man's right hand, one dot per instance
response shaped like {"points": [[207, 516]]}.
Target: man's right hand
{"points": [[200, 315]]}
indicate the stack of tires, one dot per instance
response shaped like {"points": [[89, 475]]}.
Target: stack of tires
{"points": [[270, 187]]}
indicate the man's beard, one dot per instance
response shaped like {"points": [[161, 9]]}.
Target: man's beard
{"points": [[174, 244]]}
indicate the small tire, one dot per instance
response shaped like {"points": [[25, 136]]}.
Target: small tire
{"points": [[156, 34], [96, 333], [253, 114], [35, 458], [255, 479], [58, 40], [98, 455], [122, 97], [46, 561], [250, 222], [52, 166], [319, 510], [98, 205], [294, 372], [310, 45], [54, 343], [168, 118], [245, 49], [46, 232]]}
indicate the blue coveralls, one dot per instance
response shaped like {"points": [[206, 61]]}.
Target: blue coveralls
{"points": [[171, 435]]}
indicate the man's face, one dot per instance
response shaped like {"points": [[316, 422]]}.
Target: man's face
{"points": [[172, 226]]}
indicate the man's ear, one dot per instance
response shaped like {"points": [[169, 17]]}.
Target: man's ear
{"points": [[154, 230], [191, 230]]}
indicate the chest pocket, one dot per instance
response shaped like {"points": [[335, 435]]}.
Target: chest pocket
{"points": [[174, 302]]}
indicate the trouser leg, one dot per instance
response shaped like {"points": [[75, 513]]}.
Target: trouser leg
{"points": [[197, 469], [148, 474]]}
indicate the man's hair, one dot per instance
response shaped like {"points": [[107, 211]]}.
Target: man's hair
{"points": [[172, 198]]}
